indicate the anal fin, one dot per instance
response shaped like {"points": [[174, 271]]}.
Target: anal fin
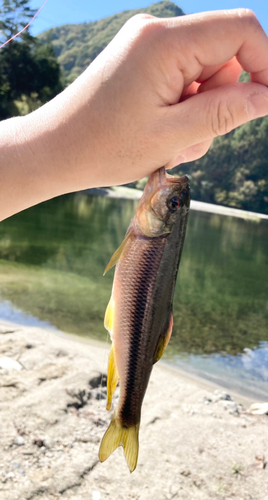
{"points": [[109, 316], [112, 379], [163, 341]]}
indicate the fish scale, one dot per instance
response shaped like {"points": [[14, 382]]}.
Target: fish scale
{"points": [[136, 297]]}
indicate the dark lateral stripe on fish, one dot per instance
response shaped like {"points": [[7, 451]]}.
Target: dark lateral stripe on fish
{"points": [[141, 293]]}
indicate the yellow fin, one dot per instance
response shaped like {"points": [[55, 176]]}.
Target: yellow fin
{"points": [[163, 341], [109, 316], [118, 435], [117, 254], [113, 378]]}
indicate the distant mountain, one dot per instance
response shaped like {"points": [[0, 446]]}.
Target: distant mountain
{"points": [[76, 45]]}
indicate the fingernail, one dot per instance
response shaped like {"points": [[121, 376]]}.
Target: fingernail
{"points": [[258, 105], [180, 159]]}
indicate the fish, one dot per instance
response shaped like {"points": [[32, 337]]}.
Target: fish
{"points": [[139, 314]]}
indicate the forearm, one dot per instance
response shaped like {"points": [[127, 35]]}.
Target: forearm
{"points": [[40, 154], [78, 140]]}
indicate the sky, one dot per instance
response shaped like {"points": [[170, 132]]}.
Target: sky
{"points": [[57, 12]]}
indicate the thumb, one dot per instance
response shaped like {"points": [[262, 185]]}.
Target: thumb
{"points": [[196, 121], [190, 154]]}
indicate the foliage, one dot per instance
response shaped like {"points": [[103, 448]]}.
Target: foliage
{"points": [[14, 15], [234, 172], [76, 45], [29, 71], [245, 77]]}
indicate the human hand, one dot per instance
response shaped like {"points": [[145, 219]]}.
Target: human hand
{"points": [[138, 115]]}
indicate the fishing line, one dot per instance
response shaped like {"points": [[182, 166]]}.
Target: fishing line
{"points": [[25, 27]]}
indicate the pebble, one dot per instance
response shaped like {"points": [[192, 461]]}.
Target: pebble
{"points": [[207, 401], [221, 395], [15, 465], [231, 407], [96, 495], [48, 442], [10, 475], [9, 364], [19, 440], [259, 409], [194, 411]]}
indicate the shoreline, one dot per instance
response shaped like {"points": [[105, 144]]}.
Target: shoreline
{"points": [[126, 193], [165, 364], [195, 441], [197, 379]]}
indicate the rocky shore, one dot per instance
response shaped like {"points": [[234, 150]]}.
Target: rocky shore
{"points": [[195, 441]]}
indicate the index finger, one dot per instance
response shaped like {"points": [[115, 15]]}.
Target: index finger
{"points": [[213, 38]]}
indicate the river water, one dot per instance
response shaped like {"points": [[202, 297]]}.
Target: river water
{"points": [[52, 259]]}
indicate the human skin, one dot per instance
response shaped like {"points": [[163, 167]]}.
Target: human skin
{"points": [[157, 95]]}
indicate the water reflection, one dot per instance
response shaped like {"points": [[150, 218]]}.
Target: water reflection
{"points": [[52, 259], [13, 315], [247, 372]]}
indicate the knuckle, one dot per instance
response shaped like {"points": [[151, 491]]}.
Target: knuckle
{"points": [[141, 17], [144, 25], [246, 13], [222, 119], [248, 17], [139, 22]]}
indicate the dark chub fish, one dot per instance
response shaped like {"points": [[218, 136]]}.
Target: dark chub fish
{"points": [[139, 314]]}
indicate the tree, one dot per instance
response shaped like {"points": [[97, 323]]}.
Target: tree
{"points": [[14, 15], [29, 71], [234, 172]]}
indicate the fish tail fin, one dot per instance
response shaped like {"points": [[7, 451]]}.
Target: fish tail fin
{"points": [[119, 435]]}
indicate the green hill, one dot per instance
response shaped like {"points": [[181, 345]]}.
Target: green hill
{"points": [[76, 45]]}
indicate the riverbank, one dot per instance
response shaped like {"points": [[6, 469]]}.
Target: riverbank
{"points": [[126, 193], [194, 442]]}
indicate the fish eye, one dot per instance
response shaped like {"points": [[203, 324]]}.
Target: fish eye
{"points": [[174, 203]]}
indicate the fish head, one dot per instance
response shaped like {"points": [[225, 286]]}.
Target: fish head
{"points": [[165, 198]]}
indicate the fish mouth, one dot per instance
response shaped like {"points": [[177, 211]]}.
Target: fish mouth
{"points": [[161, 177], [183, 183], [163, 187]]}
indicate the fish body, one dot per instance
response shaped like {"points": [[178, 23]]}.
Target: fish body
{"points": [[139, 315]]}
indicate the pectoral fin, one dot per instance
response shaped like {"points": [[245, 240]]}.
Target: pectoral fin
{"points": [[117, 254], [163, 341], [112, 379]]}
